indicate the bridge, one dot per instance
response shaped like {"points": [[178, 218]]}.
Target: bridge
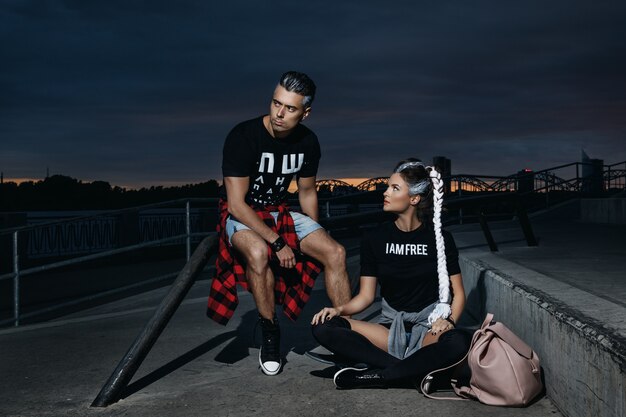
{"points": [[566, 177]]}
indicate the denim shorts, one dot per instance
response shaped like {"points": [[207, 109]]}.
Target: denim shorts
{"points": [[304, 225]]}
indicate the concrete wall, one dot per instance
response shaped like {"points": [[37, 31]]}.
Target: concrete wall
{"points": [[584, 370], [605, 210]]}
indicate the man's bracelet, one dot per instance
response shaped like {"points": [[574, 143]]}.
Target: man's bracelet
{"points": [[449, 320], [278, 244]]}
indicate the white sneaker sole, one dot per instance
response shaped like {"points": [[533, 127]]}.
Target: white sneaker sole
{"points": [[270, 366], [343, 370]]}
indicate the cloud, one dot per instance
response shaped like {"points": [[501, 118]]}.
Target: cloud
{"points": [[146, 91]]}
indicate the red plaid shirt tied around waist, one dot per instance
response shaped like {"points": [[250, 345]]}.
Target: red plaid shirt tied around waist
{"points": [[292, 286]]}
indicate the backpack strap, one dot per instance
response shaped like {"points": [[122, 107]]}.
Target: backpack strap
{"points": [[464, 392], [430, 376], [487, 321], [512, 339]]}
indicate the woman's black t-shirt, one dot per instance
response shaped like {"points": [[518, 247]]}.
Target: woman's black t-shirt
{"points": [[405, 264]]}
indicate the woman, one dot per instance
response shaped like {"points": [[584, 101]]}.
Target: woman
{"points": [[416, 265]]}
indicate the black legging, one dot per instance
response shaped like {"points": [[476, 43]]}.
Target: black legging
{"points": [[337, 336]]}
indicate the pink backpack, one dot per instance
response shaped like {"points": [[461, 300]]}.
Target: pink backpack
{"points": [[505, 370]]}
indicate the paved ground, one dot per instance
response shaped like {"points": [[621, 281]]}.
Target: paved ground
{"points": [[197, 368]]}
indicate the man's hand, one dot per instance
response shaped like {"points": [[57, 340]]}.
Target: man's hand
{"points": [[286, 257]]}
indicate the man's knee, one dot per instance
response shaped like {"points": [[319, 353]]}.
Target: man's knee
{"points": [[336, 256], [257, 258]]}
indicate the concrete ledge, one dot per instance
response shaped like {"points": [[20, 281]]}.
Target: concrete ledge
{"points": [[605, 210], [584, 359]]}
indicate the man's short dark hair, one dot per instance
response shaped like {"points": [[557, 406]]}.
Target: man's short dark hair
{"points": [[299, 82]]}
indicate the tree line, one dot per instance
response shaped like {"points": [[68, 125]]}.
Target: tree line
{"points": [[60, 192]]}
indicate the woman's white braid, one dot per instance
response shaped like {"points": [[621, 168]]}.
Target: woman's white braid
{"points": [[442, 310]]}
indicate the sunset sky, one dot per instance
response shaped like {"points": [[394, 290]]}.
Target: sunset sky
{"points": [[143, 92]]}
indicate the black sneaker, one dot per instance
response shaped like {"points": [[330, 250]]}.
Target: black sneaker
{"points": [[428, 380], [269, 354], [351, 378]]}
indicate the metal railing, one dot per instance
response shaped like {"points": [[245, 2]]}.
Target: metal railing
{"points": [[17, 273], [545, 181], [566, 177]]}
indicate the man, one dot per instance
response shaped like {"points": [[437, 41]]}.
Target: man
{"points": [[260, 158]]}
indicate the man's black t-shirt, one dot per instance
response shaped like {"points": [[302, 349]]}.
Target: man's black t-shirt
{"points": [[405, 264], [250, 151]]}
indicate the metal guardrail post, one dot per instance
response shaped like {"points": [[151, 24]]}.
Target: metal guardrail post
{"points": [[527, 229], [460, 185], [121, 376], [188, 228], [487, 232], [16, 281]]}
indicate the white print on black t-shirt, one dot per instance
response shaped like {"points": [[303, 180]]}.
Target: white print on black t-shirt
{"points": [[290, 165], [406, 249], [259, 180], [271, 183]]}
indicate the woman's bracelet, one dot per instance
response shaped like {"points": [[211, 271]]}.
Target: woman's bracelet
{"points": [[451, 321]]}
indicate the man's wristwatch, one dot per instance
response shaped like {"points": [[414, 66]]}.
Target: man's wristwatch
{"points": [[278, 244]]}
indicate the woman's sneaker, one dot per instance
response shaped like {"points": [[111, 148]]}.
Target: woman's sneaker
{"points": [[351, 378], [269, 354]]}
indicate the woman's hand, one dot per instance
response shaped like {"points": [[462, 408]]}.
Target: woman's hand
{"points": [[441, 325], [326, 313]]}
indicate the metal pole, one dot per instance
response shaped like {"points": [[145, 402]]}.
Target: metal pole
{"points": [[188, 228], [327, 208], [527, 228], [487, 232], [16, 281], [461, 209], [121, 376]]}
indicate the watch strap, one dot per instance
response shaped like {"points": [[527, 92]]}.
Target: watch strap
{"points": [[278, 244]]}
